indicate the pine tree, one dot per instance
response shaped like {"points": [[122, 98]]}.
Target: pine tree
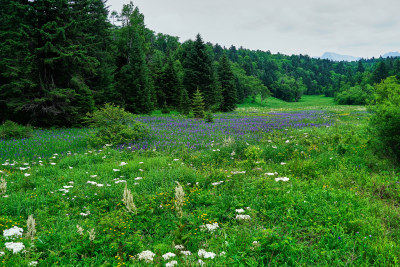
{"points": [[171, 85], [380, 73], [198, 105], [133, 84], [227, 81], [199, 72]]}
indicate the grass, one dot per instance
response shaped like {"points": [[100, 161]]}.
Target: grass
{"points": [[339, 206]]}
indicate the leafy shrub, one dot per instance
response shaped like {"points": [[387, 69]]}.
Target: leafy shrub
{"points": [[12, 130], [357, 95], [115, 126], [386, 114]]}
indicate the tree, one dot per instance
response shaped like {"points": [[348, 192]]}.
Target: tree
{"points": [[171, 86], [198, 105], [380, 73], [227, 81], [133, 83], [199, 72]]}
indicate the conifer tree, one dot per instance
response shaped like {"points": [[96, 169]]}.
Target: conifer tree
{"points": [[184, 102], [227, 81], [171, 85], [198, 105], [199, 72], [133, 77]]}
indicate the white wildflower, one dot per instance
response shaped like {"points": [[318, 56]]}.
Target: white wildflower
{"points": [[141, 162], [176, 159], [283, 179], [146, 255], [179, 199], [200, 262], [138, 178], [223, 253], [33, 263], [283, 163], [52, 163], [116, 170], [79, 229], [3, 186], [100, 185], [168, 255], [1, 253], [128, 200], [239, 210], [92, 235], [170, 264], [68, 186], [179, 247], [186, 252], [93, 176], [269, 173], [204, 254], [217, 183], [14, 232], [31, 224], [274, 147], [27, 174], [123, 163], [242, 217], [209, 227], [15, 246]]}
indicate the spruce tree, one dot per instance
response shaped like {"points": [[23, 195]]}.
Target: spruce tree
{"points": [[227, 81], [199, 72], [133, 83], [198, 105], [171, 85], [184, 102]]}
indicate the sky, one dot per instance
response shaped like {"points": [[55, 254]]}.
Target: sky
{"points": [[361, 28]]}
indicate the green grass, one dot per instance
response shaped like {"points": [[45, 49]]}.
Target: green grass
{"points": [[338, 208]]}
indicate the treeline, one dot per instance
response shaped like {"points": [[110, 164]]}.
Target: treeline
{"points": [[60, 59]]}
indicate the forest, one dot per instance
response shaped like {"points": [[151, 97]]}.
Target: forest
{"points": [[62, 59]]}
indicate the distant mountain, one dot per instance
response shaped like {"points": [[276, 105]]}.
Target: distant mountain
{"points": [[338, 57], [391, 54]]}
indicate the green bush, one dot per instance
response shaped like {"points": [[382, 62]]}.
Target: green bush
{"points": [[357, 95], [386, 114], [115, 126], [12, 130]]}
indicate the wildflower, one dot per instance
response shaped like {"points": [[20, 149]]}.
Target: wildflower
{"points": [[239, 210], [146, 255], [31, 223], [210, 227], [186, 252], [200, 262], [13, 232], [287, 141], [52, 163], [204, 254], [33, 263], [128, 200], [223, 253], [176, 159], [168, 255], [179, 199], [3, 186], [170, 264], [217, 183], [242, 217], [100, 185], [116, 170], [274, 147], [79, 229], [93, 176], [179, 247], [92, 235], [269, 173], [283, 179], [1, 253], [68, 186], [27, 174], [15, 246], [283, 163], [138, 178]]}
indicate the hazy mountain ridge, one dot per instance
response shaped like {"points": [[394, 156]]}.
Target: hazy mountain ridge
{"points": [[338, 57]]}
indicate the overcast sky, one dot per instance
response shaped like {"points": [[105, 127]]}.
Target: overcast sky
{"points": [[362, 28]]}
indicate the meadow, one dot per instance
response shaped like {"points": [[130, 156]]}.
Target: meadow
{"points": [[271, 184]]}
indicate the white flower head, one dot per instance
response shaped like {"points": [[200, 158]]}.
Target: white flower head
{"points": [[210, 227], [239, 210], [242, 217], [168, 255], [170, 264], [15, 246], [204, 254], [283, 179], [14, 232], [146, 255]]}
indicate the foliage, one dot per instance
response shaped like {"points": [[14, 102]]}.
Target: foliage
{"points": [[198, 105], [386, 114], [227, 81], [357, 95], [209, 117], [115, 126], [12, 130]]}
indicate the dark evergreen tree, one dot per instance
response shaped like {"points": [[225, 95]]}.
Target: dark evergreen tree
{"points": [[133, 83], [184, 102], [360, 67], [171, 85], [199, 72], [380, 73], [227, 81]]}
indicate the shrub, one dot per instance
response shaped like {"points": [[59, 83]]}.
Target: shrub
{"points": [[12, 130], [357, 95], [386, 114], [115, 126]]}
